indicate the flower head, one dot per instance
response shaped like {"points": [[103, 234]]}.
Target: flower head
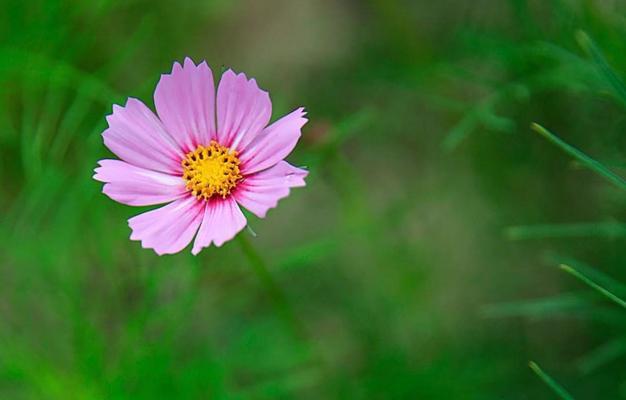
{"points": [[207, 153]]}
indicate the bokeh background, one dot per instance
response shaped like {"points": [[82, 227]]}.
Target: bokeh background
{"points": [[420, 262]]}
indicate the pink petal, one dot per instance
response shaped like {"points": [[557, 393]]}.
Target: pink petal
{"points": [[274, 143], [168, 229], [222, 220], [243, 110], [261, 191], [137, 136], [137, 186], [185, 102]]}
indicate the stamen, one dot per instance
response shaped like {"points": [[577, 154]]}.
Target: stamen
{"points": [[211, 170]]}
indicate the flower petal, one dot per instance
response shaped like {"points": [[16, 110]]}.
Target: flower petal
{"points": [[185, 102], [274, 143], [137, 186], [168, 229], [261, 191], [243, 110], [137, 136], [222, 220]]}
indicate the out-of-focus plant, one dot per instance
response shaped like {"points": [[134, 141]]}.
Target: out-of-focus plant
{"points": [[535, 68]]}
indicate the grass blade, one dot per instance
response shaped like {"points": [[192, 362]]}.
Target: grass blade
{"points": [[595, 286], [552, 384], [550, 231], [608, 352], [483, 113], [582, 157], [602, 65], [590, 272], [537, 308]]}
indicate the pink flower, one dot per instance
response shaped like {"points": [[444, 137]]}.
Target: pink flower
{"points": [[206, 154]]}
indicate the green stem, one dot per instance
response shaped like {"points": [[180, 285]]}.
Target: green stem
{"points": [[283, 308]]}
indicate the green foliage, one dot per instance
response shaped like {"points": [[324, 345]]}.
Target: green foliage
{"points": [[386, 277]]}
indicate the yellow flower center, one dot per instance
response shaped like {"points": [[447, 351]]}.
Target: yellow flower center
{"points": [[211, 170]]}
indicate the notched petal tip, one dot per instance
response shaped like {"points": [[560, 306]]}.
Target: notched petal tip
{"points": [[132, 101], [303, 115], [106, 190], [115, 108], [184, 101], [241, 76], [99, 170], [229, 71], [176, 68], [189, 63]]}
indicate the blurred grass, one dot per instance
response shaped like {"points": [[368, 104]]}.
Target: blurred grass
{"points": [[392, 256], [558, 390]]}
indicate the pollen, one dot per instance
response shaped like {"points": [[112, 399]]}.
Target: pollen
{"points": [[211, 171]]}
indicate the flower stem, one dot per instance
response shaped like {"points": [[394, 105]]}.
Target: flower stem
{"points": [[283, 308]]}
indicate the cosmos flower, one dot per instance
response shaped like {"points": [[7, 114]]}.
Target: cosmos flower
{"points": [[206, 154]]}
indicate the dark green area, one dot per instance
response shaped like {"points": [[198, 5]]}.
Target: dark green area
{"points": [[420, 262]]}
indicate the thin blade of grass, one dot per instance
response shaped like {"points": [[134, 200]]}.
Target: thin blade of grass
{"points": [[537, 308], [586, 310], [484, 113], [350, 126], [593, 285], [602, 65], [594, 274], [551, 231], [589, 162], [606, 353], [551, 383]]}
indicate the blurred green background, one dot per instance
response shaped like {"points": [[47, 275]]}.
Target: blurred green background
{"points": [[421, 259]]}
